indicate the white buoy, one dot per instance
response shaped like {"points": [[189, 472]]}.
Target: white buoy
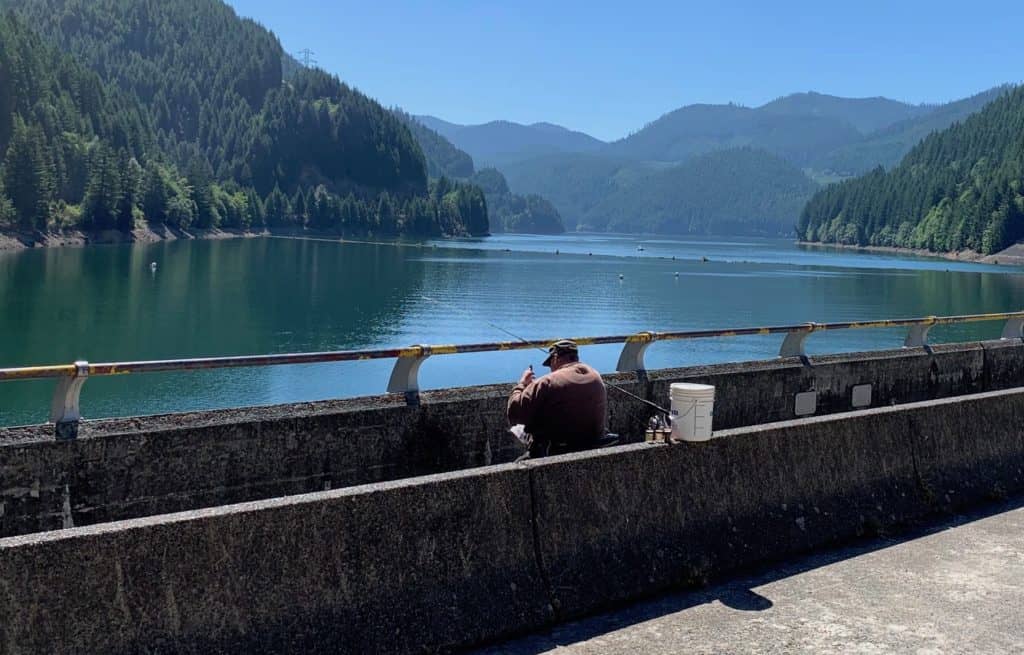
{"points": [[152, 267]]}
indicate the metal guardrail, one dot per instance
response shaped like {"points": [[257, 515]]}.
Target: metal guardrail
{"points": [[65, 410]]}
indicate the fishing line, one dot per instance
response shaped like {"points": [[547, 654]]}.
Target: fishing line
{"points": [[526, 341]]}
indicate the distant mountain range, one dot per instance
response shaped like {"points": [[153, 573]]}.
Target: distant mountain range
{"points": [[508, 212], [502, 142], [824, 138], [959, 189]]}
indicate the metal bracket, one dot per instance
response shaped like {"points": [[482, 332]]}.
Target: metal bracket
{"points": [[405, 375], [64, 409], [918, 335], [632, 357], [1014, 329], [793, 345]]}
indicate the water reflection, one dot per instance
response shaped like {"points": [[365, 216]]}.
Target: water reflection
{"points": [[257, 296]]}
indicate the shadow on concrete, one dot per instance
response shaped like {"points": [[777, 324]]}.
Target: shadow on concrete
{"points": [[736, 592], [745, 600]]}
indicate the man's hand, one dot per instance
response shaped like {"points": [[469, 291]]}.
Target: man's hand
{"points": [[527, 377]]}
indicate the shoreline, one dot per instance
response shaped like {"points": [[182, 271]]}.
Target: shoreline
{"points": [[11, 241], [14, 241], [1013, 256]]}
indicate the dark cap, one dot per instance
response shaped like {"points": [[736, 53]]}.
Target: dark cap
{"points": [[563, 347]]}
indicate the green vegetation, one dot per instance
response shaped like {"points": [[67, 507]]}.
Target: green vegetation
{"points": [[765, 193], [443, 158], [503, 142], [185, 120], [888, 145], [508, 212], [619, 187], [958, 189], [698, 129]]}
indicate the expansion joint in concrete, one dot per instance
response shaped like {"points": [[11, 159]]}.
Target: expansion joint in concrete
{"points": [[545, 577], [914, 434]]}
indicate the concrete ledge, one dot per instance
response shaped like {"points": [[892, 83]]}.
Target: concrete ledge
{"points": [[127, 468], [453, 560], [616, 526], [441, 561]]}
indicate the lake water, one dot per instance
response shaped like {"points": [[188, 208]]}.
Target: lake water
{"points": [[275, 295]]}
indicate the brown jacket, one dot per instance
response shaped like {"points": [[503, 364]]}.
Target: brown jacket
{"points": [[565, 408]]}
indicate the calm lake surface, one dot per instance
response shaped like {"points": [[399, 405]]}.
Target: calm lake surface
{"points": [[276, 295]]}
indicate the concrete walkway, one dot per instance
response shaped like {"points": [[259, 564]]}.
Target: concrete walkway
{"points": [[956, 588]]}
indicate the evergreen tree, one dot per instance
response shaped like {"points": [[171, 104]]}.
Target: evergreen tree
{"points": [[254, 206], [8, 216], [103, 193], [277, 208], [131, 191], [962, 188], [157, 193], [28, 176]]}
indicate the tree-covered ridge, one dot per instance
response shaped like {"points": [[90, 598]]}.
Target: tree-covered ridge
{"points": [[507, 211], [316, 130], [739, 191], [867, 115], [209, 134], [510, 212], [57, 119], [766, 193], [200, 70], [958, 189], [443, 158], [501, 142], [887, 146], [697, 129]]}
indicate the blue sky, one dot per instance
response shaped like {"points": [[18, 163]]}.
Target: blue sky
{"points": [[607, 68]]}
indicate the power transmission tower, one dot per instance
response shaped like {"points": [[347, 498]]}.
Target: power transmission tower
{"points": [[306, 57]]}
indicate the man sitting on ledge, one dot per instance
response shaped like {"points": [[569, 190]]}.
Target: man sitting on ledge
{"points": [[563, 411]]}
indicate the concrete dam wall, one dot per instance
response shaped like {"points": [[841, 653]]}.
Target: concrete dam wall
{"points": [[128, 468], [450, 560]]}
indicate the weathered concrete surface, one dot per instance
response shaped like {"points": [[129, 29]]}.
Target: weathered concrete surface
{"points": [[128, 468], [957, 588], [664, 517], [456, 559], [446, 560]]}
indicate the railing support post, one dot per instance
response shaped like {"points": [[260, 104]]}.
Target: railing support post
{"points": [[918, 335], [405, 375], [65, 412], [1014, 329], [793, 345], [632, 357]]}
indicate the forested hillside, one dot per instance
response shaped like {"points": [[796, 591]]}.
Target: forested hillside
{"points": [[697, 129], [507, 211], [65, 136], [866, 115], [886, 146], [443, 158], [230, 143], [958, 189], [828, 137], [766, 193], [510, 212], [502, 142]]}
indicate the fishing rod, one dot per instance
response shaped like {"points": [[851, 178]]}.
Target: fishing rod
{"points": [[515, 336]]}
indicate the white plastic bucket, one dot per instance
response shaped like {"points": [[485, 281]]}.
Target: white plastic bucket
{"points": [[693, 408]]}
